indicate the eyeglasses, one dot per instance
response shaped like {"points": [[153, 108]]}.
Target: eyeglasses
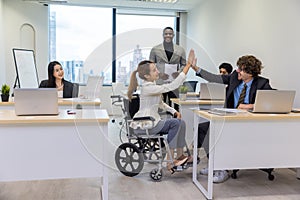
{"points": [[241, 68]]}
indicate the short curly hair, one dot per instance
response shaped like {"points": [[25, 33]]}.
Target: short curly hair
{"points": [[250, 64]]}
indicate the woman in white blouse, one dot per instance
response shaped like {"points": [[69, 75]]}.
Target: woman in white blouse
{"points": [[151, 101]]}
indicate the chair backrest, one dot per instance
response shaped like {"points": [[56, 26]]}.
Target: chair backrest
{"points": [[191, 85], [131, 107], [75, 90]]}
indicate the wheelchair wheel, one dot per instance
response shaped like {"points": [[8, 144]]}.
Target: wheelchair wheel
{"points": [[150, 148], [156, 175], [129, 159]]}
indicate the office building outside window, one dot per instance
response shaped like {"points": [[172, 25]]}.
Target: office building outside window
{"points": [[75, 32]]}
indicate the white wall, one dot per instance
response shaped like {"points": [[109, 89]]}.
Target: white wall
{"points": [[16, 13], [2, 63], [269, 29]]}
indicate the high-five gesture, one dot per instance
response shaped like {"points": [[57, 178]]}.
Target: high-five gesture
{"points": [[191, 60]]}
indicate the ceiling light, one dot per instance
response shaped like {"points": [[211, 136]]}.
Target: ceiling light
{"points": [[158, 1]]}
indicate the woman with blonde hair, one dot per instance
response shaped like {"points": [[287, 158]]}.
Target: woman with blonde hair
{"points": [[151, 101]]}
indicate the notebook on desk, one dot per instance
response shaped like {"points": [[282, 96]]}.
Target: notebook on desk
{"points": [[274, 101], [36, 101], [212, 91]]}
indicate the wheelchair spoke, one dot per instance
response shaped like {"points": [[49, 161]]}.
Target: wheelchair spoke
{"points": [[129, 159]]}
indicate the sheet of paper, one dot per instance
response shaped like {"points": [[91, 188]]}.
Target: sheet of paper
{"points": [[170, 69], [226, 111]]}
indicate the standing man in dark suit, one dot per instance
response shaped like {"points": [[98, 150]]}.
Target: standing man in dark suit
{"points": [[240, 93], [168, 55]]}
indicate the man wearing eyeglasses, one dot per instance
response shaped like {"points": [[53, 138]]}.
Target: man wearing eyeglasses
{"points": [[240, 93], [169, 58]]}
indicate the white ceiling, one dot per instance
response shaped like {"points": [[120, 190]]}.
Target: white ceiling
{"points": [[180, 5]]}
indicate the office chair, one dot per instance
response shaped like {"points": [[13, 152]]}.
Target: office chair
{"points": [[269, 171], [75, 90], [191, 85]]}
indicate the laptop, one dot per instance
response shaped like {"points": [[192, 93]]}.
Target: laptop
{"points": [[93, 85], [212, 91], [36, 101], [274, 101]]}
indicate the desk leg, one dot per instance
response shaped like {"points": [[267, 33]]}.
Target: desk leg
{"points": [[206, 193], [298, 173]]}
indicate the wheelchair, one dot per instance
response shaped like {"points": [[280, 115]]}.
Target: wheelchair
{"points": [[130, 156]]}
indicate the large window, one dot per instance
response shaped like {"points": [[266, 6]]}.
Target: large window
{"points": [[81, 39], [143, 32], [75, 34]]}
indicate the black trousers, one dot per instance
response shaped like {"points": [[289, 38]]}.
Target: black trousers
{"points": [[203, 136]]}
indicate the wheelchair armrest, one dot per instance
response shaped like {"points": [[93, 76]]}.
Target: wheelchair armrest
{"points": [[116, 98], [144, 118], [167, 113]]}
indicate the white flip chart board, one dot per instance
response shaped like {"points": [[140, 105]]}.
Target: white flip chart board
{"points": [[27, 76]]}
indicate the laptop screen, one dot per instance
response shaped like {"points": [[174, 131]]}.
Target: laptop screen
{"points": [[93, 87], [212, 91], [274, 101], [36, 101]]}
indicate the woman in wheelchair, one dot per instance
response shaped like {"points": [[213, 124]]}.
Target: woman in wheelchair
{"points": [[151, 101]]}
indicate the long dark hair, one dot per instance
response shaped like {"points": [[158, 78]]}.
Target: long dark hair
{"points": [[51, 78]]}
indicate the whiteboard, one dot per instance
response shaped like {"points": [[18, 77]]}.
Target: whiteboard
{"points": [[27, 76]]}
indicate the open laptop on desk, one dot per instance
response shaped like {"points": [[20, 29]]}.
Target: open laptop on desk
{"points": [[212, 91], [274, 101], [36, 101], [93, 87]]}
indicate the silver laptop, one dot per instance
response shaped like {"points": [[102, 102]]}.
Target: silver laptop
{"points": [[36, 101], [212, 91], [93, 87], [274, 101]]}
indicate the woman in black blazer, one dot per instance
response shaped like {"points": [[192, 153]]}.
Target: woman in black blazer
{"points": [[56, 79]]}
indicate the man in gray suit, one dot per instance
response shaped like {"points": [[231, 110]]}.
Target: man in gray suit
{"points": [[168, 54]]}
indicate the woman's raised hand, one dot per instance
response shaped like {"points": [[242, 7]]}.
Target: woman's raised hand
{"points": [[194, 65], [191, 57], [190, 61]]}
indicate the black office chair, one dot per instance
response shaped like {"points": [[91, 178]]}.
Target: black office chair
{"points": [[75, 90], [191, 85], [269, 171]]}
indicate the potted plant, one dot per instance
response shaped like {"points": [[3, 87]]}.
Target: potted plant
{"points": [[5, 93], [182, 92]]}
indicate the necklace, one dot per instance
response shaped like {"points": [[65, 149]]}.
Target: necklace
{"points": [[60, 87]]}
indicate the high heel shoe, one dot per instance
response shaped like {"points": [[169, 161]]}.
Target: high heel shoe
{"points": [[180, 162], [170, 168]]}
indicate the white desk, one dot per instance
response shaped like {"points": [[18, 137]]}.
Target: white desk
{"points": [[186, 109], [54, 147], [249, 141], [69, 103]]}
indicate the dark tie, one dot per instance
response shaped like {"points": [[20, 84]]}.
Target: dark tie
{"points": [[242, 95]]}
